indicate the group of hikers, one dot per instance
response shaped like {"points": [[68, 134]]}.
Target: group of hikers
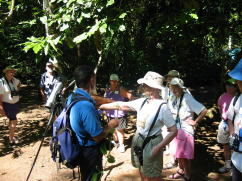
{"points": [[167, 116]]}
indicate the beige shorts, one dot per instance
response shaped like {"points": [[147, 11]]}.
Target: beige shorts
{"points": [[223, 133], [152, 166]]}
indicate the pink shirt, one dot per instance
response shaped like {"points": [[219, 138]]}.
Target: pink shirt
{"points": [[223, 103]]}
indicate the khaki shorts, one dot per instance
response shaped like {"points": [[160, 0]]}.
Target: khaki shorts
{"points": [[223, 133], [152, 166]]}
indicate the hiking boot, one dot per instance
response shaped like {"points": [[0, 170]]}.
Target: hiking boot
{"points": [[224, 169], [121, 148]]}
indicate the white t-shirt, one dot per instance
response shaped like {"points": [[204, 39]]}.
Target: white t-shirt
{"points": [[146, 115], [165, 93], [237, 108], [189, 106], [5, 90]]}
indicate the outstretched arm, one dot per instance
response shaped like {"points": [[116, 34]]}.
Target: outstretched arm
{"points": [[101, 100], [127, 94], [115, 105]]}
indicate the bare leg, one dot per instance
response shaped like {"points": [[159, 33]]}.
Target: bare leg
{"points": [[227, 152], [120, 135], [12, 129], [141, 176], [186, 166], [144, 178]]}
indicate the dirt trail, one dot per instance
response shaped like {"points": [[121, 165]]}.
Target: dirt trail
{"points": [[16, 161]]}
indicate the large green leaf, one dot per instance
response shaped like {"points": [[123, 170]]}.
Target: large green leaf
{"points": [[80, 38], [110, 2]]}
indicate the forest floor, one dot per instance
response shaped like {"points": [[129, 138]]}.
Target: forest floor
{"points": [[16, 161]]}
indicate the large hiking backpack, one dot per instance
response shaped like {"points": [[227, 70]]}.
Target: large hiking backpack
{"points": [[64, 145]]}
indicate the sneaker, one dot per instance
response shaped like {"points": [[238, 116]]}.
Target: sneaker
{"points": [[114, 143], [224, 169], [14, 141], [121, 148]]}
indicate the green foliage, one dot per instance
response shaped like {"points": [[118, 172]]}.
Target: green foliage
{"points": [[42, 45], [129, 35]]}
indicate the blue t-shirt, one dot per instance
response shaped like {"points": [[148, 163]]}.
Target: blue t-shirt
{"points": [[84, 119]]}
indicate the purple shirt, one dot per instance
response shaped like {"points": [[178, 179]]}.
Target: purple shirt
{"points": [[117, 97]]}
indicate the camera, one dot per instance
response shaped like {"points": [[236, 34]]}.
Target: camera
{"points": [[139, 152], [177, 120], [14, 93]]}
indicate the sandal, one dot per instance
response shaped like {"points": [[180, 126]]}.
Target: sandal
{"points": [[176, 175], [169, 166]]}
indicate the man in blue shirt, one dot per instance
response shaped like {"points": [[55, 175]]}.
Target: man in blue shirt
{"points": [[85, 122]]}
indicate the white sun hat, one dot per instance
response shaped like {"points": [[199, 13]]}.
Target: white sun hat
{"points": [[177, 81], [152, 79]]}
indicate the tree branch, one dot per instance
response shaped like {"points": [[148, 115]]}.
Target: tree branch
{"points": [[11, 11]]}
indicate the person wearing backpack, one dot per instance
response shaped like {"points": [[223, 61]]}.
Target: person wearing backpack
{"points": [[152, 113], [224, 100], [85, 122], [9, 98], [235, 125]]}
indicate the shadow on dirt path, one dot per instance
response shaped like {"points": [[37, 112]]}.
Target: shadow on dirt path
{"points": [[32, 121]]}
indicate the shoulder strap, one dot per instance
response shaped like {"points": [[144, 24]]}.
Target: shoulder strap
{"points": [[68, 108], [234, 102], [177, 116], [77, 99], [8, 84], [143, 103], [151, 127], [155, 118]]}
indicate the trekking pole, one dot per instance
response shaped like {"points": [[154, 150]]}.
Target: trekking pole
{"points": [[46, 130]]}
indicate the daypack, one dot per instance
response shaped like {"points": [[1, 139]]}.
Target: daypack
{"points": [[64, 145]]}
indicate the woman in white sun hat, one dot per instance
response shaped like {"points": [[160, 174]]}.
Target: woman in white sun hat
{"points": [[152, 114], [9, 100], [183, 107]]}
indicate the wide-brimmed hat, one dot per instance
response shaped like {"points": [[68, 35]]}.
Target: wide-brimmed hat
{"points": [[173, 73], [9, 69], [114, 77], [236, 73], [152, 79], [177, 81]]}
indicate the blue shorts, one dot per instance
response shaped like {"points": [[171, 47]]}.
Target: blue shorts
{"points": [[11, 110]]}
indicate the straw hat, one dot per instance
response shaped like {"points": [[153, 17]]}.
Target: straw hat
{"points": [[9, 69], [152, 79]]}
